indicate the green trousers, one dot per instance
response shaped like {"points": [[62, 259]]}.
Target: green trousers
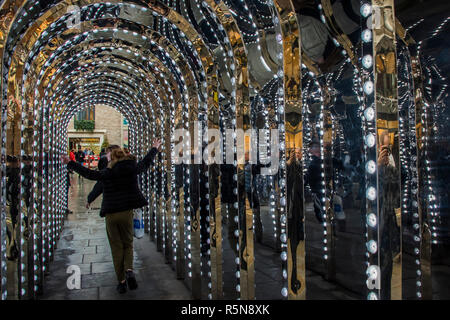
{"points": [[119, 228]]}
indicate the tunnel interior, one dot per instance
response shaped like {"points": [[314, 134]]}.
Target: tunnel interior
{"points": [[300, 138]]}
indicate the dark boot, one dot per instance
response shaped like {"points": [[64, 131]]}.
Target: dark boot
{"points": [[131, 280], [122, 287]]}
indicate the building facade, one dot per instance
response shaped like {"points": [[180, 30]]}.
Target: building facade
{"points": [[91, 127]]}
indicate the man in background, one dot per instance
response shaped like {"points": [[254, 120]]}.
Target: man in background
{"points": [[79, 157]]}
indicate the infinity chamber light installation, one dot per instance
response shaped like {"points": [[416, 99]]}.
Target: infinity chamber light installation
{"points": [[312, 135]]}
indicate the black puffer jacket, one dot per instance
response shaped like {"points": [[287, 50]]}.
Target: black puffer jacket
{"points": [[97, 190], [120, 183]]}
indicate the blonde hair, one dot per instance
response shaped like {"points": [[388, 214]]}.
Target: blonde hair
{"points": [[117, 154], [112, 147]]}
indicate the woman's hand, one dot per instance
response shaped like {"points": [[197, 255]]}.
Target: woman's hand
{"points": [[65, 159], [383, 157], [157, 144]]}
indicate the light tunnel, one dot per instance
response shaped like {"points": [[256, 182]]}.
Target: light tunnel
{"points": [[345, 101]]}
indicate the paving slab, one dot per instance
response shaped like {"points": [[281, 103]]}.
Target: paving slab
{"points": [[97, 257], [98, 241], [102, 249], [101, 267]]}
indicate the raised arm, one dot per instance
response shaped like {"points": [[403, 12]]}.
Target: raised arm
{"points": [[89, 174], [145, 163]]}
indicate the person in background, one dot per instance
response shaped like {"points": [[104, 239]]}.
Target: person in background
{"points": [[72, 155], [126, 150], [79, 157], [313, 178], [68, 211], [121, 195]]}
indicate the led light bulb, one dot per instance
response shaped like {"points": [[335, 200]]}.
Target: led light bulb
{"points": [[371, 167], [371, 193], [369, 114], [366, 10], [370, 140], [371, 220], [367, 61], [368, 87], [366, 35], [372, 272], [372, 296], [372, 246]]}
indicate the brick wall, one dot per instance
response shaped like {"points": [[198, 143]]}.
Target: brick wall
{"points": [[111, 120]]}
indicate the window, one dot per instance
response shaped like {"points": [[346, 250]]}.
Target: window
{"points": [[86, 114]]}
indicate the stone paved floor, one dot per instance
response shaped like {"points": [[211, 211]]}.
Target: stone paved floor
{"points": [[84, 243]]}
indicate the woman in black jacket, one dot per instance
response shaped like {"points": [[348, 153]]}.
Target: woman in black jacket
{"points": [[121, 195], [97, 190]]}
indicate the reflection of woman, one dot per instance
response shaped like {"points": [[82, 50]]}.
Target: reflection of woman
{"points": [[199, 201], [388, 202], [295, 210], [213, 180], [228, 198], [313, 178], [121, 195], [385, 153], [12, 197], [251, 172], [27, 171], [27, 178]]}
